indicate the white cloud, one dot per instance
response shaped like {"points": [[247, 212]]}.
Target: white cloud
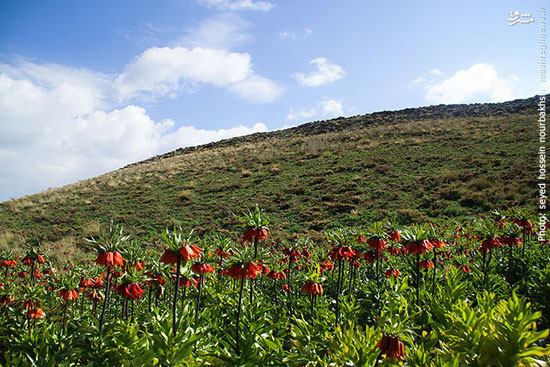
{"points": [[478, 83], [57, 126], [295, 36], [325, 73], [436, 72], [221, 31], [237, 5], [257, 89], [326, 109], [160, 72]]}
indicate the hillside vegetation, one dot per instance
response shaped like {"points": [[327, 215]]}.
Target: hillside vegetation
{"points": [[414, 164]]}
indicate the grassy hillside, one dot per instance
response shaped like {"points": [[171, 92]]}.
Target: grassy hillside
{"points": [[415, 164]]}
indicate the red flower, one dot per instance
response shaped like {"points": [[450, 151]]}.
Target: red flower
{"points": [[236, 272], [312, 288], [8, 263], [252, 269], [190, 252], [201, 268], [185, 282], [293, 254], [340, 253], [110, 259], [393, 272], [255, 233], [377, 244], [510, 241], [361, 239], [437, 243], [169, 257], [130, 291], [392, 347], [68, 295], [466, 268], [327, 265], [85, 283], [274, 275], [426, 264], [394, 236], [490, 243], [285, 288], [418, 247], [27, 260], [221, 253], [40, 259], [35, 313], [95, 295]]}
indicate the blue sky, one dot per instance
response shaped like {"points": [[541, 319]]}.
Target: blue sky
{"points": [[89, 86]]}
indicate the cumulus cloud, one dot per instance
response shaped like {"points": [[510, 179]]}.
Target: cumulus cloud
{"points": [[326, 109], [325, 73], [160, 72], [478, 83], [257, 89], [221, 31], [58, 126], [296, 36], [237, 5]]}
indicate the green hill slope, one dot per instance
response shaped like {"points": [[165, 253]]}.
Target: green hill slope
{"points": [[418, 164]]}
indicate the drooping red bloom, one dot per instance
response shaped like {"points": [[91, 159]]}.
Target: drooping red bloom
{"points": [[327, 265], [392, 347], [418, 247], [510, 241], [40, 259], [185, 282], [255, 233], [437, 243], [285, 288], [312, 288], [341, 253], [27, 260], [490, 243], [252, 269], [394, 251], [139, 265], [95, 295], [202, 268], [306, 253], [155, 279], [189, 252], [35, 313], [85, 283], [221, 253], [236, 272], [169, 257], [68, 294], [8, 263], [96, 282], [426, 264], [130, 290], [392, 272], [274, 275], [361, 239], [110, 259], [394, 236], [293, 254], [466, 269], [377, 243]]}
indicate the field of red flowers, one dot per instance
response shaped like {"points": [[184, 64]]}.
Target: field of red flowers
{"points": [[451, 294]]}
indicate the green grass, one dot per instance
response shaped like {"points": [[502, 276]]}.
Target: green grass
{"points": [[415, 164]]}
